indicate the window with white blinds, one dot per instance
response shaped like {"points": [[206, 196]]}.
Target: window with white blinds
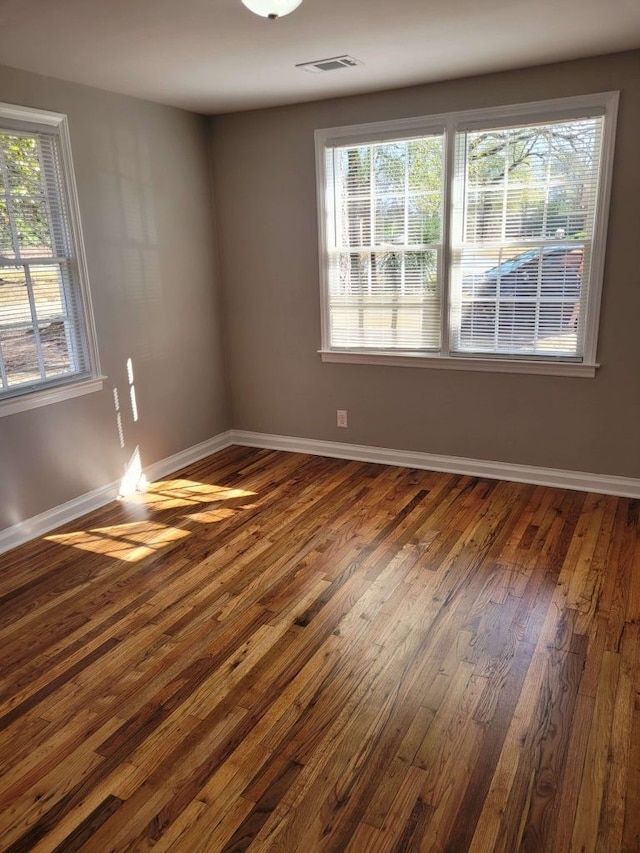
{"points": [[46, 338], [522, 244], [471, 239], [385, 243]]}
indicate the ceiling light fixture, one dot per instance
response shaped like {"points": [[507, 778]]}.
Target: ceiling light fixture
{"points": [[272, 9]]}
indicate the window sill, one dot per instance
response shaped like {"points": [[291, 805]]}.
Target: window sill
{"points": [[488, 365], [55, 394]]}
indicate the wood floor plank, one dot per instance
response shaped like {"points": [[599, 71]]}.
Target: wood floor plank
{"points": [[590, 798], [546, 744], [273, 652], [631, 827], [611, 826]]}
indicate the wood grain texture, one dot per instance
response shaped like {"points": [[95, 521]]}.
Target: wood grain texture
{"points": [[273, 652]]}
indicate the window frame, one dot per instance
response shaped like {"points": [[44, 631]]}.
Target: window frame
{"points": [[31, 120], [603, 103]]}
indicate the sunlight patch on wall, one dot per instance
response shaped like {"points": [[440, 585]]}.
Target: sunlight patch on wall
{"points": [[116, 403], [134, 480]]}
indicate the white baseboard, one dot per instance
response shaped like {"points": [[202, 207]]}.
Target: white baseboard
{"points": [[47, 521], [581, 481], [161, 469]]}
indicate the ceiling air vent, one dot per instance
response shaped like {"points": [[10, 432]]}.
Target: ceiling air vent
{"points": [[331, 64]]}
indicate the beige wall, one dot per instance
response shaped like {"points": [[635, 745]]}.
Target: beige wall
{"points": [[264, 184], [143, 180]]}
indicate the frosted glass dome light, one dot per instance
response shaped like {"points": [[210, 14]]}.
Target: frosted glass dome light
{"points": [[272, 8]]}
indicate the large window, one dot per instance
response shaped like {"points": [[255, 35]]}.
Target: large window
{"points": [[468, 240], [47, 344]]}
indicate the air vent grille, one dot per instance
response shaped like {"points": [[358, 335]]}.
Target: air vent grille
{"points": [[333, 63]]}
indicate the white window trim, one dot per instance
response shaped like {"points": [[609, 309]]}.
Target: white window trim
{"points": [[604, 103], [74, 386], [50, 394]]}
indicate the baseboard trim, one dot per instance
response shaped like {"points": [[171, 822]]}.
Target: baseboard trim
{"points": [[578, 480], [45, 522], [171, 464], [39, 525]]}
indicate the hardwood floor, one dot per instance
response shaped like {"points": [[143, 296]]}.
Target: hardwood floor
{"points": [[275, 652]]}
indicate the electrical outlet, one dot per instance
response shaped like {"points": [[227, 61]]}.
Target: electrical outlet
{"points": [[342, 418]]}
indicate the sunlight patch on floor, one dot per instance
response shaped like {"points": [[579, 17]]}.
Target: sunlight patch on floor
{"points": [[135, 540], [210, 516], [130, 542], [172, 494]]}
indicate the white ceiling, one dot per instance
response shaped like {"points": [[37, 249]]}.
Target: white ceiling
{"points": [[215, 56]]}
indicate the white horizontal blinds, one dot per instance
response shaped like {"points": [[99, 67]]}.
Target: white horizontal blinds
{"points": [[524, 211], [384, 242], [41, 320]]}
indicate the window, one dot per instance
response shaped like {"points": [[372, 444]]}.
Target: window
{"points": [[47, 341], [469, 240]]}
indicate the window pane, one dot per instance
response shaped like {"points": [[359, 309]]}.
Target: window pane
{"points": [[20, 357], [32, 226], [390, 220], [15, 308], [54, 339], [519, 300], [6, 241], [48, 291], [386, 195], [520, 263], [357, 223], [424, 212], [28, 354], [531, 182], [53, 321], [385, 299], [389, 167], [24, 197]]}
